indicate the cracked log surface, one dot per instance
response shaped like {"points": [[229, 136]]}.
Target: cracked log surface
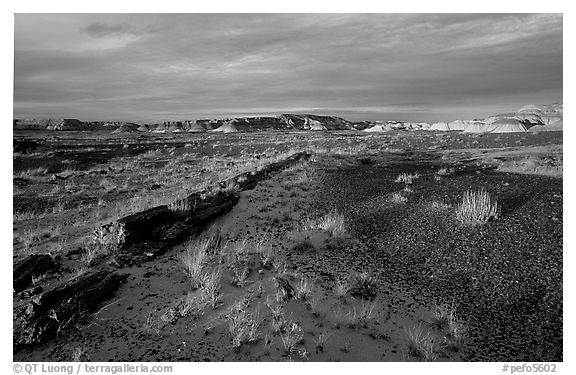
{"points": [[32, 265], [39, 319]]}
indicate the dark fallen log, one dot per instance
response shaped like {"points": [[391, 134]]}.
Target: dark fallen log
{"points": [[152, 231], [24, 146], [249, 180], [33, 265], [40, 319], [169, 223]]}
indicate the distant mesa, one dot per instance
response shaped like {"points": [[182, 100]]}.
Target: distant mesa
{"points": [[441, 126], [528, 118], [226, 128], [508, 125], [378, 129], [50, 124], [127, 128]]}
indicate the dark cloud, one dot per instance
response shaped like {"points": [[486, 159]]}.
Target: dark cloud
{"points": [[417, 66]]}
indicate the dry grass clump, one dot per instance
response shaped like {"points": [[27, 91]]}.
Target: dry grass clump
{"points": [[292, 337], [445, 171], [332, 222], [362, 315], [194, 259], [27, 215], [265, 253], [31, 237], [320, 341], [477, 208], [445, 320], [240, 277], [210, 287], [279, 323], [363, 284], [407, 178], [313, 304], [303, 290], [421, 344], [28, 173], [103, 241], [398, 198], [341, 288], [437, 205], [243, 325], [181, 206], [192, 304]]}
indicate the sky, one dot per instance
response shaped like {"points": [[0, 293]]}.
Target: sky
{"points": [[168, 67]]}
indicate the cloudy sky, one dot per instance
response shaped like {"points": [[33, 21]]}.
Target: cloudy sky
{"points": [[154, 67]]}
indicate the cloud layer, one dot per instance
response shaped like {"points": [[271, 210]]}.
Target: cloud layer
{"points": [[153, 67]]}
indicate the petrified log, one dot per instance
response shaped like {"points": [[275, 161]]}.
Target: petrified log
{"points": [[169, 223], [32, 265], [40, 319], [249, 180], [152, 230]]}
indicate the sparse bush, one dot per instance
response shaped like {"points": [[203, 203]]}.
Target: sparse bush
{"points": [[240, 276], [303, 289], [194, 260], [181, 206], [265, 253], [477, 208], [445, 171], [363, 285], [279, 322], [407, 178], [313, 304], [79, 354], [292, 337], [341, 288], [361, 316], [332, 222], [421, 344], [320, 341], [243, 325], [31, 172], [444, 319], [398, 198], [211, 287], [192, 304], [436, 205]]}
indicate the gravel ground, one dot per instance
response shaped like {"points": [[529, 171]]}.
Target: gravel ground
{"points": [[505, 277]]}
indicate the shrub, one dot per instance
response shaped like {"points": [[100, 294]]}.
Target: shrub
{"points": [[445, 171], [292, 337], [181, 207], [477, 208], [321, 340], [398, 198], [192, 304], [211, 287], [363, 285], [243, 325], [407, 178], [359, 317], [194, 260], [332, 222], [421, 344], [303, 290], [341, 288]]}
